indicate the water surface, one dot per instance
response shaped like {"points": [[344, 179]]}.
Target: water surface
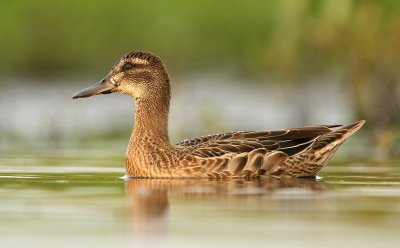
{"points": [[67, 201]]}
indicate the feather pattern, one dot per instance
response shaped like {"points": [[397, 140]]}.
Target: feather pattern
{"points": [[294, 152]]}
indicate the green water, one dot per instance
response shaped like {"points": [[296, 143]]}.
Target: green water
{"points": [[68, 201]]}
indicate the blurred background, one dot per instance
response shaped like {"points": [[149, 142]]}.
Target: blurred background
{"points": [[234, 66]]}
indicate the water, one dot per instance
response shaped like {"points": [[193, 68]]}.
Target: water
{"points": [[201, 104], [71, 201]]}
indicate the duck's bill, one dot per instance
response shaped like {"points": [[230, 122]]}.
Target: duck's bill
{"points": [[102, 87]]}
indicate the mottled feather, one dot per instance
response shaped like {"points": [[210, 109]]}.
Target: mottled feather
{"points": [[294, 152]]}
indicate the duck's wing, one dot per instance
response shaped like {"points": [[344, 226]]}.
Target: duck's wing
{"points": [[289, 141], [295, 152]]}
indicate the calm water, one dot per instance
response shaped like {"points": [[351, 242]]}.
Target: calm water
{"points": [[67, 201]]}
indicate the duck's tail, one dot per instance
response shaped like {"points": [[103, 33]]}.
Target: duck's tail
{"points": [[311, 161]]}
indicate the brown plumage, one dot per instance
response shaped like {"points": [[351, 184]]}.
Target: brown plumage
{"points": [[296, 152]]}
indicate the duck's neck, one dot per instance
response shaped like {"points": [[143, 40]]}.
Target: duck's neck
{"points": [[151, 118]]}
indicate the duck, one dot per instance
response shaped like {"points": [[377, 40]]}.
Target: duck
{"points": [[283, 153]]}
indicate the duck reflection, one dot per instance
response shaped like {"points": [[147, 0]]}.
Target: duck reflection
{"points": [[151, 197]]}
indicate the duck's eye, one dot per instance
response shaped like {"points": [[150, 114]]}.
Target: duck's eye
{"points": [[127, 66]]}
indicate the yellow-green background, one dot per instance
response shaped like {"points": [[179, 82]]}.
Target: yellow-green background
{"points": [[283, 42]]}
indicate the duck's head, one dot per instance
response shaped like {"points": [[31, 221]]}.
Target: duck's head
{"points": [[139, 74]]}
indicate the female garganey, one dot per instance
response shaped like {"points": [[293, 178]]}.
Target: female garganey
{"points": [[295, 152]]}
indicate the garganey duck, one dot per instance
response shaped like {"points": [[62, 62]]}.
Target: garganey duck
{"points": [[295, 152]]}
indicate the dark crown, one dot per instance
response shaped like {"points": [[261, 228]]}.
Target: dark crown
{"points": [[149, 57]]}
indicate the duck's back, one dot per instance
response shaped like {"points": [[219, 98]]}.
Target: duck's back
{"points": [[296, 152]]}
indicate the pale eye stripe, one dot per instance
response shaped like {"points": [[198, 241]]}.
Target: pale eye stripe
{"points": [[140, 61]]}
